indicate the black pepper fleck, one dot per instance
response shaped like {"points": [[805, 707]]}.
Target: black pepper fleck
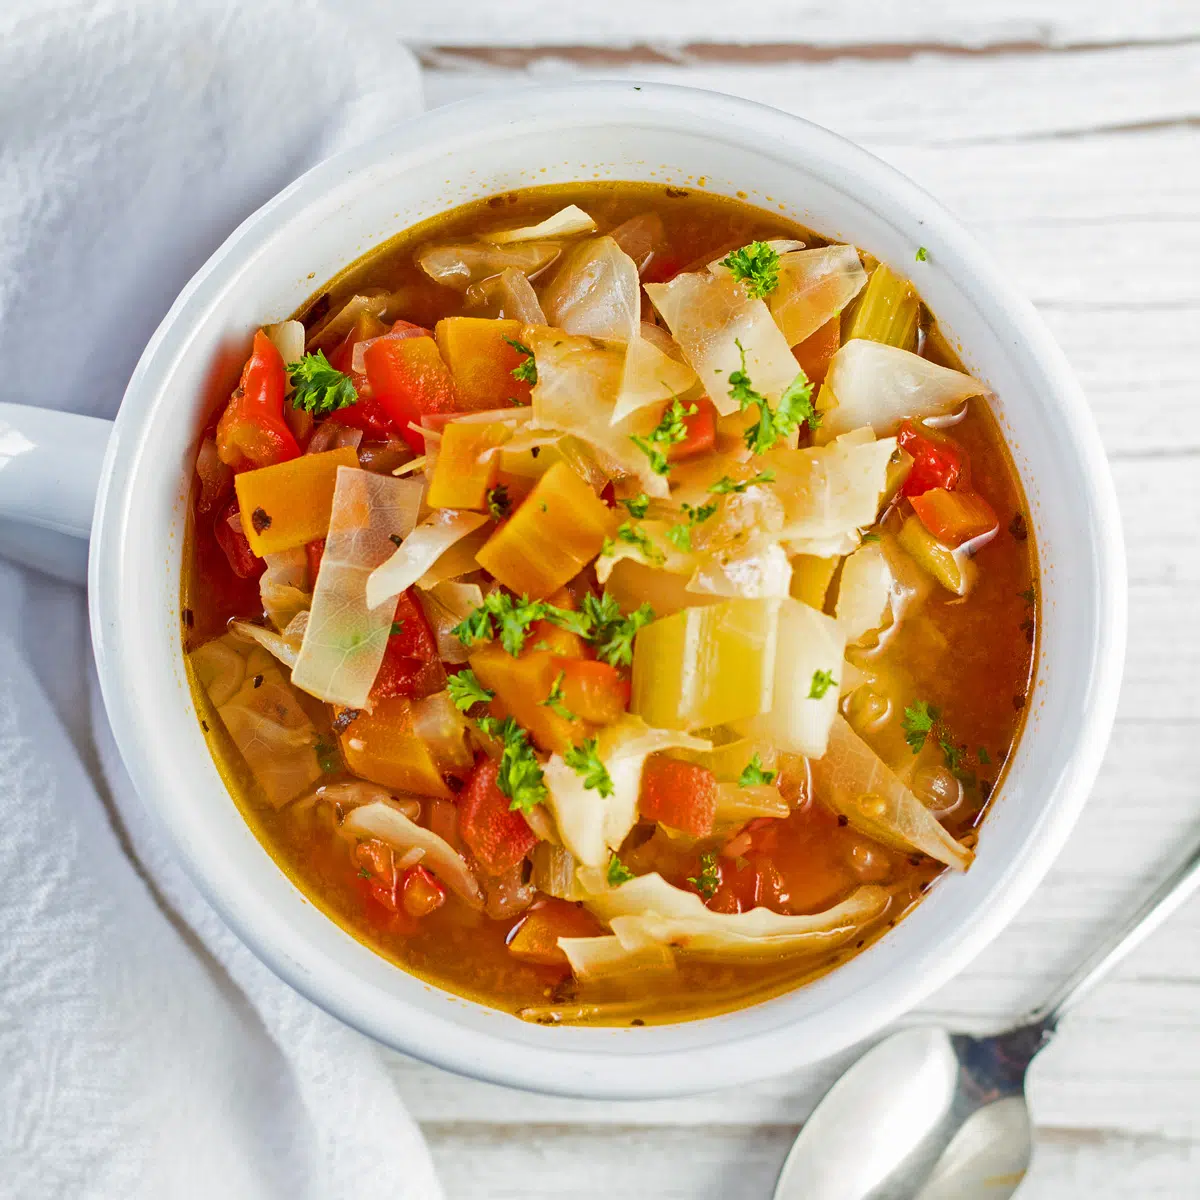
{"points": [[1018, 527], [843, 820], [188, 618], [204, 726], [260, 520], [674, 193], [344, 719], [637, 1021], [1019, 701], [258, 680]]}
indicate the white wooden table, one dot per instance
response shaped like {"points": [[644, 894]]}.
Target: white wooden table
{"points": [[1067, 136]]}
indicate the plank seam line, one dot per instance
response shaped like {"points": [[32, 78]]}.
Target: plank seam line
{"points": [[518, 57]]}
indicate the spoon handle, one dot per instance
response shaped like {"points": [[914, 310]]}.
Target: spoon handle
{"points": [[1154, 910]]}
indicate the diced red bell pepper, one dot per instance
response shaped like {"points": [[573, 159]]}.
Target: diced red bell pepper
{"points": [[376, 864], [937, 462], [813, 354], [411, 666], [366, 413], [420, 892], [314, 551], [498, 837], [679, 794], [535, 939], [243, 562], [594, 691], [409, 379], [252, 431], [954, 517], [701, 429]]}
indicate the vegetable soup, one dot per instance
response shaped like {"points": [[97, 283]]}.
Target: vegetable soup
{"points": [[610, 603]]}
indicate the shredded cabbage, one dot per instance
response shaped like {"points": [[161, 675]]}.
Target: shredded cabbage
{"points": [[814, 285], [708, 315], [418, 552], [759, 571], [595, 292], [878, 385], [283, 586], [509, 294], [651, 374], [447, 604], [595, 958], [591, 825], [854, 781], [288, 338], [284, 646], [464, 263], [345, 640], [565, 223]]}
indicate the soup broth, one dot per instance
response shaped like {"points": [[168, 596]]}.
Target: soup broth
{"points": [[925, 612]]}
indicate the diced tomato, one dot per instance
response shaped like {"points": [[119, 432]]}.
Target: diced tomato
{"points": [[420, 892], [937, 462], [535, 939], [366, 413], [498, 837], [376, 864], [314, 551], [680, 794], [409, 379], [228, 530], [701, 432], [252, 431], [954, 517], [411, 666], [593, 690], [813, 354]]}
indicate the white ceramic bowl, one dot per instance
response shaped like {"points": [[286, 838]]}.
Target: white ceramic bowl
{"points": [[618, 131]]}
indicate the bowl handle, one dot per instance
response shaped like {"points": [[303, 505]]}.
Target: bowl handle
{"points": [[49, 474]]}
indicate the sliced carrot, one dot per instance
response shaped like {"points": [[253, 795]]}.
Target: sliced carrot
{"points": [[536, 937]]}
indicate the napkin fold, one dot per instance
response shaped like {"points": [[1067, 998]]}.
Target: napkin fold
{"points": [[144, 1052]]}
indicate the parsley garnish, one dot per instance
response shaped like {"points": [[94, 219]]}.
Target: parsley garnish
{"points": [[520, 778], [503, 612], [822, 681], [670, 431], [922, 254], [681, 535], [499, 504], [637, 506], [757, 266], [1029, 596], [617, 873], [725, 485], [397, 627], [466, 690], [526, 370], [584, 760], [983, 756], [795, 407], [870, 537], [755, 774], [919, 719], [611, 635], [319, 388], [952, 753], [709, 879], [554, 701], [635, 535], [327, 757]]}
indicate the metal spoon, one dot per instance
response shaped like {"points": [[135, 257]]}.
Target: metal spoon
{"points": [[931, 1115]]}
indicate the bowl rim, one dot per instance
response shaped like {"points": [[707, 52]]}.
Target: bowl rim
{"points": [[612, 1070]]}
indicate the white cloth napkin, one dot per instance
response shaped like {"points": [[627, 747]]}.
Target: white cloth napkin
{"points": [[143, 1051]]}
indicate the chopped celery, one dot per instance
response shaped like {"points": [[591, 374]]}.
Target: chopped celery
{"points": [[953, 569], [706, 666], [888, 311]]}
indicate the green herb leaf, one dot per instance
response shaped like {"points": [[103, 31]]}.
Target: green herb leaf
{"points": [[617, 873], [319, 388], [870, 537], [503, 614], [757, 266], [953, 753], [584, 760], [922, 254], [328, 758], [499, 505], [466, 690], [822, 681], [525, 371], [725, 485], [520, 777], [709, 879], [670, 430], [635, 535], [637, 505], [919, 719], [554, 701], [755, 774], [983, 756], [611, 634]]}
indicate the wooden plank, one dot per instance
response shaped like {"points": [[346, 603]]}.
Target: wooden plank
{"points": [[864, 25], [942, 100], [716, 1162]]}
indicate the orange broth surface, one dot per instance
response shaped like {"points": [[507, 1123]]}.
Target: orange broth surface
{"points": [[970, 657]]}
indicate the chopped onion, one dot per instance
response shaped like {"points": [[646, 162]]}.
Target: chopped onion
{"points": [[799, 721], [814, 285], [331, 435], [554, 871], [354, 793], [444, 729], [346, 638], [757, 572], [510, 295], [447, 605], [335, 327], [877, 385], [220, 669], [641, 237], [284, 646], [591, 826], [288, 338], [708, 315], [419, 551], [650, 374], [854, 781], [565, 223], [385, 821], [283, 587], [649, 911], [460, 265], [213, 474], [595, 292], [594, 958], [507, 895]]}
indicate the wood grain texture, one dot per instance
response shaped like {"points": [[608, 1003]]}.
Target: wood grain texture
{"points": [[1067, 136]]}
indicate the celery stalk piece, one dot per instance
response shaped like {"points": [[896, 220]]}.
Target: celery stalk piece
{"points": [[888, 311], [706, 666], [955, 570]]}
